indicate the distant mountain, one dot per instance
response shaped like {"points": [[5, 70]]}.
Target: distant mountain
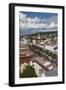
{"points": [[34, 31]]}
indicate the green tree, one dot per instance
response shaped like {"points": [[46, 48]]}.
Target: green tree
{"points": [[29, 71]]}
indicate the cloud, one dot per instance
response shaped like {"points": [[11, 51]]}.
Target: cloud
{"points": [[22, 17], [54, 19], [52, 25], [35, 22]]}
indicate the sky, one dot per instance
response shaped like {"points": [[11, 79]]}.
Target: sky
{"points": [[35, 20]]}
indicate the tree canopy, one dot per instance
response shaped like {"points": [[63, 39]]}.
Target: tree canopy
{"points": [[29, 71]]}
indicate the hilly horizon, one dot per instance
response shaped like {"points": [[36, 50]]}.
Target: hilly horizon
{"points": [[34, 31]]}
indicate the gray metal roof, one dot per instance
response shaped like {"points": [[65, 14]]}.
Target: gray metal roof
{"points": [[53, 72]]}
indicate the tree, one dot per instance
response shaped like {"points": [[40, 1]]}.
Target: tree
{"points": [[29, 71]]}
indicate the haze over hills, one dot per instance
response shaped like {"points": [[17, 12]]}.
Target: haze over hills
{"points": [[34, 31]]}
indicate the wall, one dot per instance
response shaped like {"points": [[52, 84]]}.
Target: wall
{"points": [[4, 44]]}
